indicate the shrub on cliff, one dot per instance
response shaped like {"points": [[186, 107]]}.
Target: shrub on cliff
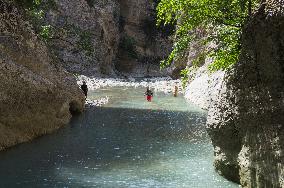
{"points": [[221, 20], [35, 11], [128, 45]]}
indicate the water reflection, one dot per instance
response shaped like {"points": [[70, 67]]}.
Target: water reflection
{"points": [[127, 143]]}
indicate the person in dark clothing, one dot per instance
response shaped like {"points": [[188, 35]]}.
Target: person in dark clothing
{"points": [[84, 87], [149, 94]]}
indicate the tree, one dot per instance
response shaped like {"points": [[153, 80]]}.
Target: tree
{"points": [[222, 21]]}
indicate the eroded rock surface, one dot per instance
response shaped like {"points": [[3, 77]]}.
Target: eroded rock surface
{"points": [[246, 122], [108, 37], [86, 36], [203, 86], [142, 45], [36, 95]]}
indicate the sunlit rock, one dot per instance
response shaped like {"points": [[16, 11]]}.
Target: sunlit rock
{"points": [[246, 121], [37, 95]]}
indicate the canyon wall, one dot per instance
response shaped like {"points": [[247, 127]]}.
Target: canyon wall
{"points": [[203, 86], [86, 35], [36, 95], [142, 45], [107, 38], [246, 121], [94, 38]]}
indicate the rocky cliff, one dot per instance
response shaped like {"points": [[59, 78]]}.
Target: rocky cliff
{"points": [[203, 86], [142, 45], [86, 35], [36, 95], [246, 121], [107, 37]]}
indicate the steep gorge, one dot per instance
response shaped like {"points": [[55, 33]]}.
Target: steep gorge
{"points": [[93, 38], [108, 38]]}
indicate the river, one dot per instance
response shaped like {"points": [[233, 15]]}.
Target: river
{"points": [[127, 142]]}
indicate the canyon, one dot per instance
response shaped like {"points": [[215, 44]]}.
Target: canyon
{"points": [[120, 39]]}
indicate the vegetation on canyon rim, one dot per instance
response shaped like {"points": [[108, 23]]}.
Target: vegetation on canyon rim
{"points": [[216, 23], [35, 10]]}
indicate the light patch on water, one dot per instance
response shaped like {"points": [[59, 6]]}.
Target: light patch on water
{"points": [[163, 173], [133, 98], [127, 142]]}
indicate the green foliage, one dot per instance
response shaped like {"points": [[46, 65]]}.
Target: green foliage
{"points": [[127, 44], [36, 10], [85, 42], [199, 60], [178, 51], [222, 20], [46, 32], [184, 77]]}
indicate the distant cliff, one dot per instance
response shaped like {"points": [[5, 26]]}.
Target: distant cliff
{"points": [[36, 95], [107, 37], [246, 121]]}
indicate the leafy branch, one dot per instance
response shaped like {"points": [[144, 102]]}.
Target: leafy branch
{"points": [[222, 21]]}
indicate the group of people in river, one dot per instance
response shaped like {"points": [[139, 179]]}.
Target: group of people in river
{"points": [[149, 94]]}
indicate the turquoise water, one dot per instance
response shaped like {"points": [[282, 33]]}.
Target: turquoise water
{"points": [[127, 143]]}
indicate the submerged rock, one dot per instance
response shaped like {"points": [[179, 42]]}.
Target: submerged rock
{"points": [[246, 121], [36, 95]]}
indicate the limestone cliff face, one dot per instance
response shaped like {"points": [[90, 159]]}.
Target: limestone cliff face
{"points": [[142, 45], [86, 36], [107, 37], [203, 87], [246, 122], [36, 95]]}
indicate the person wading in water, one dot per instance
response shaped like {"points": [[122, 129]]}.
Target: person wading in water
{"points": [[176, 91], [84, 87], [149, 94]]}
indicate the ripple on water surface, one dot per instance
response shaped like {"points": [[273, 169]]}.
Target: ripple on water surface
{"points": [[126, 143]]}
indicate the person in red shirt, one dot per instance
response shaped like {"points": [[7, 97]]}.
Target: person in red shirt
{"points": [[149, 94]]}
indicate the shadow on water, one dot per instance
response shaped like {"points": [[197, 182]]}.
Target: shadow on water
{"points": [[117, 147]]}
